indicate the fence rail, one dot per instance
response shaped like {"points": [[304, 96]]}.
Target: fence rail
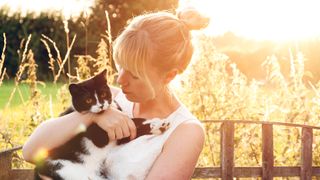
{"points": [[227, 170]]}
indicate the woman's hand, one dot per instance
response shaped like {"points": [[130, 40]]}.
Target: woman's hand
{"points": [[116, 124]]}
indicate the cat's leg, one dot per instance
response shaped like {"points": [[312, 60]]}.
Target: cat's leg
{"points": [[42, 177], [67, 111], [154, 126], [157, 126], [48, 170], [80, 171]]}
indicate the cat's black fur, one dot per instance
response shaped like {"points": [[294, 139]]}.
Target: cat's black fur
{"points": [[72, 149]]}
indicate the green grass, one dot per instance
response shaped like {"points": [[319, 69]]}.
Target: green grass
{"points": [[7, 87]]}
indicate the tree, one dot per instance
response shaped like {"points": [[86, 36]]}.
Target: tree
{"points": [[88, 36]]}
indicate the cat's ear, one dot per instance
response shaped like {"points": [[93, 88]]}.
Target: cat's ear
{"points": [[104, 71], [74, 88], [103, 74]]}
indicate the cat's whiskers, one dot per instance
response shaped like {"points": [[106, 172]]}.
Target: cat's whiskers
{"points": [[98, 106], [106, 105]]}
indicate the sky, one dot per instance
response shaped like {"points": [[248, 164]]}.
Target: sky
{"points": [[69, 8], [261, 19], [257, 19]]}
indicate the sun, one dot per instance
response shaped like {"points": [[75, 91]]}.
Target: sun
{"points": [[261, 19]]}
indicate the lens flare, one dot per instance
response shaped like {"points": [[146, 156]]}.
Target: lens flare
{"points": [[40, 156], [81, 128], [261, 19]]}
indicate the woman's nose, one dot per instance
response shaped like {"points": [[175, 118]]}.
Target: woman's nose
{"points": [[122, 79]]}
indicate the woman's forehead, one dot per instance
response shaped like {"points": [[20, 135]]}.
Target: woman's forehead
{"points": [[149, 71]]}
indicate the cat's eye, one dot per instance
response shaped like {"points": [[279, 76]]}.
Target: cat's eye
{"points": [[89, 101], [103, 95]]}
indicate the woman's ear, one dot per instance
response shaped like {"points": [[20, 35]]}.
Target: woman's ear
{"points": [[170, 75]]}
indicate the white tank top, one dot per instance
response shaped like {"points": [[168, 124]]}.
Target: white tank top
{"points": [[134, 159]]}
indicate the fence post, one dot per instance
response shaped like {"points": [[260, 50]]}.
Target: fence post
{"points": [[306, 153], [227, 150], [267, 152], [5, 164]]}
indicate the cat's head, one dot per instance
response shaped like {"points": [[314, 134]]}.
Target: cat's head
{"points": [[92, 95]]}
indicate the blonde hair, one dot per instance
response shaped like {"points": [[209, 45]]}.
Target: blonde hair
{"points": [[161, 40]]}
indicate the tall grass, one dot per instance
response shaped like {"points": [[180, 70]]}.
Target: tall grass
{"points": [[3, 71], [213, 88], [18, 122]]}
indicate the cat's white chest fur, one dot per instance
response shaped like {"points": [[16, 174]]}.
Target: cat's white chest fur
{"points": [[132, 161], [90, 168]]}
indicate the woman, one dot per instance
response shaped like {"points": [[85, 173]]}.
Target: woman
{"points": [[150, 52]]}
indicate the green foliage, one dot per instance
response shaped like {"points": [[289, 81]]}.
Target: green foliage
{"points": [[249, 54], [47, 90], [18, 122], [214, 89], [18, 27]]}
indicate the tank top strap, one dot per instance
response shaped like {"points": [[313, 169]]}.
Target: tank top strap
{"points": [[180, 116]]}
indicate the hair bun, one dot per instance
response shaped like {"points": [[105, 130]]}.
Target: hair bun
{"points": [[192, 18]]}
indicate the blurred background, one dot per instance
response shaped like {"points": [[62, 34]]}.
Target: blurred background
{"points": [[247, 31], [258, 60]]}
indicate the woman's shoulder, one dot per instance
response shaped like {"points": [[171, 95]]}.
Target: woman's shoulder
{"points": [[192, 130], [187, 140]]}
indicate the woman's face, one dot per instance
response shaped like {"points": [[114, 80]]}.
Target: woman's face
{"points": [[136, 89]]}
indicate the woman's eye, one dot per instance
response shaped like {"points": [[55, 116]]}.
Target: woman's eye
{"points": [[135, 77], [121, 70], [89, 101]]}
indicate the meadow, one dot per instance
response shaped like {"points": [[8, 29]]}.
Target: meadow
{"points": [[213, 88], [48, 89]]}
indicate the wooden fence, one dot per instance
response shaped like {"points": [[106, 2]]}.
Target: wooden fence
{"points": [[227, 170]]}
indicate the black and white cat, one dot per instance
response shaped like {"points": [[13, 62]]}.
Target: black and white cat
{"points": [[84, 156]]}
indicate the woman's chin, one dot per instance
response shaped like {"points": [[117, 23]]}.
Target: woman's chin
{"points": [[133, 98], [129, 97]]}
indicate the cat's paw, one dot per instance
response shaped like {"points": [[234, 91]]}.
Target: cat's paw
{"points": [[157, 125]]}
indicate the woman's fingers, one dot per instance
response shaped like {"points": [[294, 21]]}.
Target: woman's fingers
{"points": [[111, 135], [116, 124], [125, 129], [119, 134], [132, 128]]}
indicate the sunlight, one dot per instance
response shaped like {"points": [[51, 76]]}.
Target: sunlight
{"points": [[40, 155], [81, 128], [68, 8], [261, 19]]}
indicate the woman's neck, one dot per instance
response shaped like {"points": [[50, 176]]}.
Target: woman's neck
{"points": [[160, 107]]}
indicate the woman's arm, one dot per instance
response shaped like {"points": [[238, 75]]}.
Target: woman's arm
{"points": [[179, 154], [54, 132]]}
